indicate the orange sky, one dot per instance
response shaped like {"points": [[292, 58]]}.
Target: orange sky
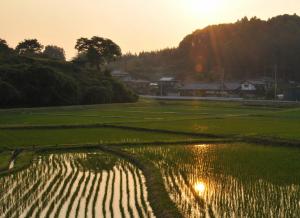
{"points": [[136, 25]]}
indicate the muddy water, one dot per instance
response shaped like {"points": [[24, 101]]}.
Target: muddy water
{"points": [[75, 185], [236, 180]]}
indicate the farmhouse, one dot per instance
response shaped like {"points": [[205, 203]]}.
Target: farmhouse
{"points": [[211, 89], [169, 86], [141, 87], [292, 94], [256, 87], [121, 75]]}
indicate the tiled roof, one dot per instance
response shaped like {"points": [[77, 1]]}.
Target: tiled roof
{"points": [[212, 86], [167, 79]]}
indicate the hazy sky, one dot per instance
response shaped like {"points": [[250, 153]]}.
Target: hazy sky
{"points": [[136, 25]]}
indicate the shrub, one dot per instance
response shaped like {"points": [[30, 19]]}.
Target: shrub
{"points": [[9, 95], [121, 93], [45, 87], [97, 95]]}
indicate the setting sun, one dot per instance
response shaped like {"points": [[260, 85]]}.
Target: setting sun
{"points": [[204, 7]]}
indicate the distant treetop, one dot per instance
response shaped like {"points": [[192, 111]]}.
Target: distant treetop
{"points": [[98, 51], [29, 47], [3, 46], [54, 52]]}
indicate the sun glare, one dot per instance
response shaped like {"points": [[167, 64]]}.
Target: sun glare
{"points": [[202, 146], [204, 7], [200, 187]]}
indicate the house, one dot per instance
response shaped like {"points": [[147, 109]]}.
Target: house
{"points": [[253, 85], [211, 89], [168, 86], [292, 94], [121, 75], [259, 87], [139, 86]]}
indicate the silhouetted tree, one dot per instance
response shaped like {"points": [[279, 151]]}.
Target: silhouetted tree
{"points": [[3, 46], [5, 50], [29, 47], [99, 51], [54, 52]]}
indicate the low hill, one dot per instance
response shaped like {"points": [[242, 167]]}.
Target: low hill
{"points": [[35, 82], [248, 48]]}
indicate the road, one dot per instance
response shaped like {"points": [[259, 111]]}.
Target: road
{"points": [[262, 102]]}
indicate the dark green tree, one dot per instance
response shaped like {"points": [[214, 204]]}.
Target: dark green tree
{"points": [[99, 51], [54, 52], [9, 95], [29, 47], [97, 95], [4, 48]]}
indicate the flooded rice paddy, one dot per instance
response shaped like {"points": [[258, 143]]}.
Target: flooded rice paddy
{"points": [[75, 185], [229, 180]]}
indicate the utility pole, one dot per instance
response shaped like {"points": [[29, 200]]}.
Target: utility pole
{"points": [[275, 81]]}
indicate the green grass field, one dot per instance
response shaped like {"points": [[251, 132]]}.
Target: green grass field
{"points": [[217, 118], [148, 130], [147, 121], [4, 160], [47, 137]]}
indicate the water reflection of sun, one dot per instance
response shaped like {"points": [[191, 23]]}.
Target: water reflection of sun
{"points": [[200, 187], [202, 146]]}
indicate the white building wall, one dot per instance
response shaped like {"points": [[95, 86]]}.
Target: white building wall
{"points": [[248, 87]]}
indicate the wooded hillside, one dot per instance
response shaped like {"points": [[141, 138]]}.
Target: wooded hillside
{"points": [[249, 48]]}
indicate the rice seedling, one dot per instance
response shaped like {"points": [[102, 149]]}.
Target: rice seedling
{"points": [[75, 195], [42, 195], [121, 193], [96, 196], [129, 206], [58, 194], [63, 198], [136, 197], [205, 180], [124, 193], [90, 196], [69, 185], [78, 208], [112, 194], [144, 194], [105, 195]]}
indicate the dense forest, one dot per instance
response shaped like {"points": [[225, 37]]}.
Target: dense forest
{"points": [[31, 75], [247, 49]]}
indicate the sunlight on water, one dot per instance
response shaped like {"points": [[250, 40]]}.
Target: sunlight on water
{"points": [[200, 187], [229, 180], [202, 146]]}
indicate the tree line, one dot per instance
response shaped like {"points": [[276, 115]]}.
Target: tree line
{"points": [[32, 75], [247, 49]]}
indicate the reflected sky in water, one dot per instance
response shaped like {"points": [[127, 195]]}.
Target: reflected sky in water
{"points": [[75, 185], [237, 180]]}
